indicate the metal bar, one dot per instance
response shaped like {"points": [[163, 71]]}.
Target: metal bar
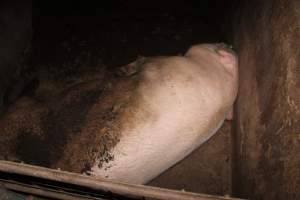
{"points": [[137, 191], [45, 192]]}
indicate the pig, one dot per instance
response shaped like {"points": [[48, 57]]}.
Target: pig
{"points": [[178, 104], [128, 125]]}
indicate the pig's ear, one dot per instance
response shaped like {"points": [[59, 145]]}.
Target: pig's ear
{"points": [[227, 58]]}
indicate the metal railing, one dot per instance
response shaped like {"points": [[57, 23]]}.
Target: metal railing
{"points": [[71, 186]]}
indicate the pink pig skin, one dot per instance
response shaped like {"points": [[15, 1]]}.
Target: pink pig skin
{"points": [[180, 102]]}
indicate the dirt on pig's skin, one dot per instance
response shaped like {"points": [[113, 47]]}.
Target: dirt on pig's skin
{"points": [[69, 130]]}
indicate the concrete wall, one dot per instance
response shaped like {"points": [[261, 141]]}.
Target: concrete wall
{"points": [[15, 34], [267, 37]]}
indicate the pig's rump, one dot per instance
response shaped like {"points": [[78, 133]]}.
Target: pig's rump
{"points": [[68, 131]]}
